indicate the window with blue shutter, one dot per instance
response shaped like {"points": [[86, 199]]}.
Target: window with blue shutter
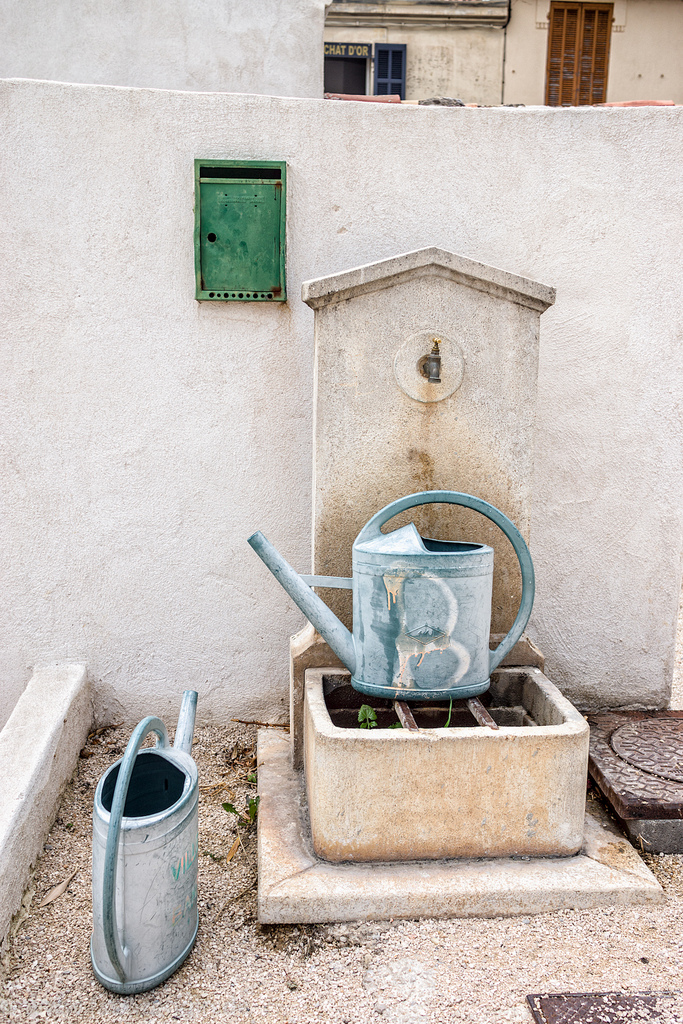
{"points": [[390, 69]]}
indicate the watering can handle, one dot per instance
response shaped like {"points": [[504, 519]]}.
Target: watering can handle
{"points": [[117, 952], [372, 530]]}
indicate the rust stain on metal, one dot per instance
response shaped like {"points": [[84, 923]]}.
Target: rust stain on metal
{"points": [[481, 714], [393, 585], [405, 716]]}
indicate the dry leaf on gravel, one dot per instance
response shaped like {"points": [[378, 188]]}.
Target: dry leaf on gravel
{"points": [[58, 890], [233, 850]]}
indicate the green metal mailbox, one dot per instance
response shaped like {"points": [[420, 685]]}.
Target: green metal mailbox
{"points": [[239, 233]]}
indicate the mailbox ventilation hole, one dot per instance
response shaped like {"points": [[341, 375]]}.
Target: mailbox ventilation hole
{"points": [[241, 295], [211, 237]]}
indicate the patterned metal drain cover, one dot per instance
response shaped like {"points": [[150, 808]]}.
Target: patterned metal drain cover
{"points": [[599, 1007], [632, 792], [654, 746]]}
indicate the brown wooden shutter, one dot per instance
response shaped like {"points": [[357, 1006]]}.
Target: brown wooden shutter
{"points": [[578, 52]]}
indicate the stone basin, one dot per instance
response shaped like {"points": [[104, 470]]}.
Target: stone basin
{"points": [[388, 794]]}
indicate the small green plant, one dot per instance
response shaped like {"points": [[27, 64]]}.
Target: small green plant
{"points": [[248, 819], [251, 777], [367, 717], [252, 808], [216, 857], [450, 712], [396, 725]]}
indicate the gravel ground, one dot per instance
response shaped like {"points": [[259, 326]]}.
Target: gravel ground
{"points": [[478, 971]]}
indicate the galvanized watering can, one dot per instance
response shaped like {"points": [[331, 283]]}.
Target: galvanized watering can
{"points": [[144, 858], [421, 607]]}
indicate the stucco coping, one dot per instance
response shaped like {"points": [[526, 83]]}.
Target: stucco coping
{"points": [[432, 261], [295, 887], [39, 746]]}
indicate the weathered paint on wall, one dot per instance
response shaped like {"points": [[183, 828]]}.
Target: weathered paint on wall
{"points": [[455, 61], [645, 51], [145, 435], [272, 47]]}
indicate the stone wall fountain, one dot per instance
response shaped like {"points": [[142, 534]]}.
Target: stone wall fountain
{"points": [[426, 820]]}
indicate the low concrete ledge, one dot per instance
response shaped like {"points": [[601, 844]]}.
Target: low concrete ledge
{"points": [[39, 746], [296, 887]]}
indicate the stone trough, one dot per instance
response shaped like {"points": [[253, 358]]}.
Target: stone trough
{"points": [[466, 791], [379, 824]]}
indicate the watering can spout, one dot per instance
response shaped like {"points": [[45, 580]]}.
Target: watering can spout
{"points": [[185, 728], [316, 611]]}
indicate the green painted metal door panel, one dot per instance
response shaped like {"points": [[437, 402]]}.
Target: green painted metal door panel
{"points": [[244, 220], [240, 230]]}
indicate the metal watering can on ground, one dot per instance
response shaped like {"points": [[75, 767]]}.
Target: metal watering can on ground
{"points": [[144, 858], [421, 607]]}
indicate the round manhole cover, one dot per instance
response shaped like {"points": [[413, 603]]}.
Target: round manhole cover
{"points": [[654, 745]]}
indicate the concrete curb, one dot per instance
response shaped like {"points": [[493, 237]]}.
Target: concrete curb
{"points": [[39, 746]]}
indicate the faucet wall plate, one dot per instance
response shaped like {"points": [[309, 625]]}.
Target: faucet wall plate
{"points": [[412, 353]]}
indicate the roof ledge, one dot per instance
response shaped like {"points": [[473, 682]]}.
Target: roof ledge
{"points": [[399, 13], [430, 262]]}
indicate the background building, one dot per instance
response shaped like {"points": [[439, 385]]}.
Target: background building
{"points": [[527, 51], [481, 51]]}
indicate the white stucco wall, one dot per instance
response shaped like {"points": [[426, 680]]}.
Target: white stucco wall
{"points": [[270, 47], [146, 435]]}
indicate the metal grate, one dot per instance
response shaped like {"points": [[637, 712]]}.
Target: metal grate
{"points": [[601, 1007], [646, 791], [654, 746]]}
